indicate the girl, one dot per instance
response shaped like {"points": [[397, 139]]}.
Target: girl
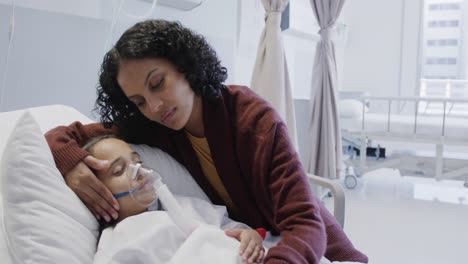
{"points": [[117, 178]]}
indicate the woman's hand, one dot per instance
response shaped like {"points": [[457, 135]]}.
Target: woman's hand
{"points": [[251, 244], [91, 191]]}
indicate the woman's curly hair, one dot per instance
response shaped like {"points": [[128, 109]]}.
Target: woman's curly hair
{"points": [[188, 51]]}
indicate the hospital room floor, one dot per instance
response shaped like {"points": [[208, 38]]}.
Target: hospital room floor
{"points": [[414, 220]]}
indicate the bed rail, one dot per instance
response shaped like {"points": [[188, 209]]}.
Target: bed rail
{"points": [[447, 103], [438, 139], [337, 193]]}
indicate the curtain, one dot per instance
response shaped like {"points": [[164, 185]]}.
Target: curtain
{"points": [[323, 136], [270, 78]]}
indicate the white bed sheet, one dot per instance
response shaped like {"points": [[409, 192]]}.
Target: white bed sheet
{"points": [[47, 117], [455, 127], [134, 240]]}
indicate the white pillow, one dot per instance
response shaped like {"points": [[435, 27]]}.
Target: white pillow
{"points": [[4, 252], [176, 176], [350, 108], [45, 222]]}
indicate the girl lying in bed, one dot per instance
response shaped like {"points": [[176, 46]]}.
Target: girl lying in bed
{"points": [[153, 237]]}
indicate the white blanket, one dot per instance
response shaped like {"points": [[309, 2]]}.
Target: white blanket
{"points": [[152, 237]]}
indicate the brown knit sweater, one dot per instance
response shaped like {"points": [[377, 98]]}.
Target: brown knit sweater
{"points": [[256, 163]]}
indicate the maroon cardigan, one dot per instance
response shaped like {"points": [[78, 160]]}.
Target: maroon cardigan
{"points": [[256, 163]]}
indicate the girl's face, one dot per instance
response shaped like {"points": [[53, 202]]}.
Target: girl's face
{"points": [[159, 90], [116, 177]]}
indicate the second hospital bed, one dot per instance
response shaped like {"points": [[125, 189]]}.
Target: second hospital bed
{"points": [[400, 133]]}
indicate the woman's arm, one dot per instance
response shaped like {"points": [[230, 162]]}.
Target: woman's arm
{"points": [[276, 179], [77, 165], [296, 210], [307, 229], [281, 188], [66, 142]]}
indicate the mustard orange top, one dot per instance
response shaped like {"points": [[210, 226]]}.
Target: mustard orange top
{"points": [[202, 149]]}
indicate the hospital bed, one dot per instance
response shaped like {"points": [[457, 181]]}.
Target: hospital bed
{"points": [[54, 115], [411, 134]]}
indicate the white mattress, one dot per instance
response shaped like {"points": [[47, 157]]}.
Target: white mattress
{"points": [[455, 127], [48, 117]]}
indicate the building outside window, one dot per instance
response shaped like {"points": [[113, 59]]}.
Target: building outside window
{"points": [[444, 6], [444, 69]]}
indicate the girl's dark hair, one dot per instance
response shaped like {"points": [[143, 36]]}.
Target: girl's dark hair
{"points": [[188, 51]]}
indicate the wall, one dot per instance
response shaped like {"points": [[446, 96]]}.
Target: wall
{"points": [[382, 49], [57, 48], [54, 58], [58, 45], [412, 46], [378, 53]]}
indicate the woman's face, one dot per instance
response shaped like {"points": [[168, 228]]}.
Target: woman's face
{"points": [[116, 177], [159, 90]]}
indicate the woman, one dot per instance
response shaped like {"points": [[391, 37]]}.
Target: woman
{"points": [[162, 85]]}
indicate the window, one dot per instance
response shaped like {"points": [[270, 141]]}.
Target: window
{"points": [[444, 6], [432, 24], [439, 77], [453, 23], [442, 42], [450, 61], [444, 23], [444, 69], [439, 61]]}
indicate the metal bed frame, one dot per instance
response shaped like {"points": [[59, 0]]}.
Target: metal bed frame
{"points": [[360, 139]]}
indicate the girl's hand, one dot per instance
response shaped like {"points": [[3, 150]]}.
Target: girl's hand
{"points": [[251, 244]]}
